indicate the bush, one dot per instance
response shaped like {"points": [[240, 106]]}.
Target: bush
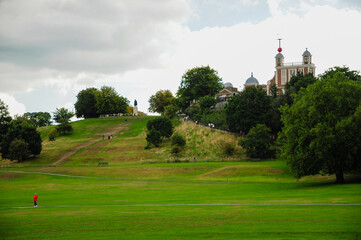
{"points": [[170, 111], [178, 140], [227, 148], [176, 151], [153, 137], [52, 134], [258, 143], [162, 125], [19, 150]]}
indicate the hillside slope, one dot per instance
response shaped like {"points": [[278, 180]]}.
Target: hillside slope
{"points": [[86, 146]]}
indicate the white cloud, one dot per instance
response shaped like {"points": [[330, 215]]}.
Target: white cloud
{"points": [[14, 107]]}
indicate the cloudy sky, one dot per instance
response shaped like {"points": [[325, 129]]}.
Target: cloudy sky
{"points": [[52, 49]]}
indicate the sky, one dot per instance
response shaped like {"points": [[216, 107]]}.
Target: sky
{"points": [[52, 49]]}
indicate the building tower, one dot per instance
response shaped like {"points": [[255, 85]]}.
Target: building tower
{"points": [[285, 71]]}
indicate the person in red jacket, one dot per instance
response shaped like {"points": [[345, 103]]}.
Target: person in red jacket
{"points": [[35, 199]]}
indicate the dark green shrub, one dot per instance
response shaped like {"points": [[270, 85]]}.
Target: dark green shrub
{"points": [[52, 134], [178, 140], [228, 148], [258, 143], [19, 150], [161, 124], [153, 137]]}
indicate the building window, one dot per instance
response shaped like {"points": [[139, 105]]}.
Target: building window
{"points": [[292, 72], [300, 71], [306, 60], [283, 77]]}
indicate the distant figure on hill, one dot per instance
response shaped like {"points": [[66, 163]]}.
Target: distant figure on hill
{"points": [[111, 136], [108, 137], [103, 137], [35, 200], [126, 120]]}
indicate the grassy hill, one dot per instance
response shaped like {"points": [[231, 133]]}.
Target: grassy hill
{"points": [[145, 194]]}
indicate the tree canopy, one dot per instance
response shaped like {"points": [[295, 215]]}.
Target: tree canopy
{"points": [[21, 129], [196, 83], [63, 116], [162, 124], [246, 110], [108, 101], [85, 105], [160, 100], [350, 74], [5, 119], [321, 132], [38, 119]]}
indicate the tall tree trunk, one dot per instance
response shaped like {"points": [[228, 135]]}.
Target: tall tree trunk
{"points": [[339, 177]]}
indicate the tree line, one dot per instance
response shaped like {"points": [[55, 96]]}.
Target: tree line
{"points": [[314, 125]]}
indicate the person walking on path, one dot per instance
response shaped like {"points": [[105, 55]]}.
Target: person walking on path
{"points": [[35, 200]]}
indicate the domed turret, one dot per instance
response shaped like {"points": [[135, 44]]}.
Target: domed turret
{"points": [[307, 57], [279, 59], [251, 81], [228, 85]]}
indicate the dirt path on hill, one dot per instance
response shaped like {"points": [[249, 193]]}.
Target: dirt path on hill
{"points": [[66, 155]]}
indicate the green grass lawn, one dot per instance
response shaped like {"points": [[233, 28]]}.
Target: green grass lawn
{"points": [[142, 196]]}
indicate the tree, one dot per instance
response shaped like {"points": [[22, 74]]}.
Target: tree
{"points": [[178, 140], [21, 129], [274, 90], [160, 100], [206, 102], [300, 81], [63, 116], [196, 83], [259, 142], [153, 137], [19, 150], [5, 119], [170, 111], [108, 101], [350, 74], [38, 119], [246, 110], [85, 105], [321, 132], [162, 124]]}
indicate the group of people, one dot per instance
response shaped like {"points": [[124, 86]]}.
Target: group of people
{"points": [[211, 125], [109, 136]]}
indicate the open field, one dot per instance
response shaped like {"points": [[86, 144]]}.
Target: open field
{"points": [[142, 196]]}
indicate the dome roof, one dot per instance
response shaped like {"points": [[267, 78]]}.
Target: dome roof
{"points": [[279, 55], [228, 85], [252, 81], [306, 53]]}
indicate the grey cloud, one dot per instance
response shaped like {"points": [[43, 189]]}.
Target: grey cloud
{"points": [[94, 36]]}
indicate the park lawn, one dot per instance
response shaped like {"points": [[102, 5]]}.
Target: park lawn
{"points": [[145, 194], [98, 208]]}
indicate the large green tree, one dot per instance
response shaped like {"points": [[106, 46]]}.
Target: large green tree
{"points": [[62, 116], [350, 74], [163, 125], [108, 101], [21, 129], [38, 119], [259, 142], [300, 81], [5, 119], [246, 110], [85, 105], [322, 132], [196, 83], [160, 100]]}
